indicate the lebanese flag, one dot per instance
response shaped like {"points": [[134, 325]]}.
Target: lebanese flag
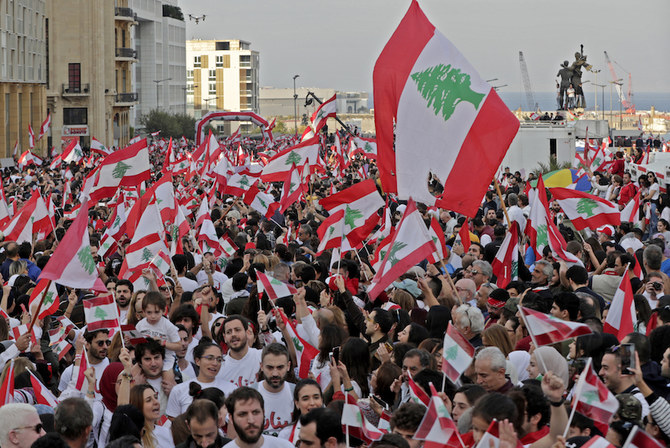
{"points": [[42, 394], [292, 190], [304, 352], [457, 354], [365, 146], [445, 118], [83, 365], [417, 394], [16, 149], [61, 349], [621, 317], [45, 127], [586, 210], [148, 240], [272, 287], [5, 214], [28, 158], [437, 235], [411, 244], [72, 263], [436, 427], [592, 398], [127, 167], [631, 211], [330, 232], [279, 165], [325, 110], [598, 442], [355, 423], [548, 329], [98, 148], [380, 251], [638, 438], [32, 219], [506, 262], [260, 201], [464, 234], [238, 184], [491, 436], [31, 137], [133, 333], [542, 230], [51, 300], [360, 203], [7, 387], [72, 152], [101, 312]]}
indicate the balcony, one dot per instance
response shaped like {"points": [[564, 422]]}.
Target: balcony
{"points": [[245, 92], [126, 54], [122, 13], [126, 99], [75, 89]]}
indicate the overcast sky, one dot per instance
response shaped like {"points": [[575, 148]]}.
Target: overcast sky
{"points": [[334, 44]]}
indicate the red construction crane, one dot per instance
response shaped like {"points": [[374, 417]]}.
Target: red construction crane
{"points": [[627, 102]]}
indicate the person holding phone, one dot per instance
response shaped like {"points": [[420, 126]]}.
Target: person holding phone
{"points": [[619, 381]]}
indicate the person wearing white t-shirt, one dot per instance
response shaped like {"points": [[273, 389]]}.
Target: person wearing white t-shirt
{"points": [[145, 398], [96, 344], [245, 407], [183, 369], [206, 274], [307, 395], [242, 362], [149, 361], [208, 358], [276, 392], [123, 292]]}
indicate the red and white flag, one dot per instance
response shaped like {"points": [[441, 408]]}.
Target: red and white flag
{"points": [[279, 165], [445, 118], [7, 387], [355, 423], [238, 185], [31, 137], [83, 365], [101, 312], [638, 438], [365, 146], [417, 394], [437, 429], [260, 201], [330, 232], [15, 152], [51, 300], [621, 317], [325, 110], [464, 234], [99, 148], [360, 203], [272, 287], [491, 437], [45, 126], [304, 352], [437, 235], [411, 244], [28, 158], [134, 334], [598, 442], [457, 354], [631, 212], [292, 190], [586, 210], [592, 398], [5, 213], [72, 152], [32, 219], [548, 329], [42, 394], [506, 262]]}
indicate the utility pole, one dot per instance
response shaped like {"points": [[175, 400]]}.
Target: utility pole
{"points": [[295, 106]]}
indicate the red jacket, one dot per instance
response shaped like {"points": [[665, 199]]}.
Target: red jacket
{"points": [[627, 193]]}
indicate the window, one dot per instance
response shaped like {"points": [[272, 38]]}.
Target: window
{"points": [[222, 46], [219, 62], [212, 75], [74, 77], [212, 88], [75, 115], [189, 75], [196, 61]]}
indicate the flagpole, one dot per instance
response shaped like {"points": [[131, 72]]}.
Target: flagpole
{"points": [[532, 337], [39, 307], [575, 399], [444, 380], [367, 279], [502, 202]]}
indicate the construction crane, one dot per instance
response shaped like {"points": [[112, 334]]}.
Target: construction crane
{"points": [[627, 103], [629, 94], [530, 98]]}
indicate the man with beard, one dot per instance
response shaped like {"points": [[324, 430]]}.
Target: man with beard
{"points": [[245, 407], [242, 362], [96, 344], [202, 418], [148, 368], [276, 392], [123, 292]]}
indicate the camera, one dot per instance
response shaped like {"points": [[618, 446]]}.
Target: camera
{"points": [[658, 286]]}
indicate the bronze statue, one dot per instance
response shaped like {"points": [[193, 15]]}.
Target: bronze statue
{"points": [[573, 75], [566, 77]]}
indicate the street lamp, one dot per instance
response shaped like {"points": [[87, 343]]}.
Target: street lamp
{"points": [[158, 81], [602, 98], [295, 106], [595, 95], [617, 82]]}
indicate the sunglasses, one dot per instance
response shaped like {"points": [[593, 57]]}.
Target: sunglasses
{"points": [[37, 428], [103, 343]]}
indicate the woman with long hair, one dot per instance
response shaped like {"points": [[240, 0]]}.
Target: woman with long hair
{"points": [[145, 398], [350, 372], [331, 336], [306, 396], [413, 333], [135, 313]]}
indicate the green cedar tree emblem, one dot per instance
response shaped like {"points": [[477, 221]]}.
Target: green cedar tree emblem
{"points": [[586, 206], [120, 170], [262, 202], [451, 353], [444, 87], [298, 345], [117, 222], [86, 260], [368, 148], [542, 236], [244, 181], [293, 157], [147, 255], [590, 396], [394, 249], [331, 230], [100, 313], [351, 215], [515, 269], [48, 299]]}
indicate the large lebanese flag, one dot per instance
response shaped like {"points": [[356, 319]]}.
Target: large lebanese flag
{"points": [[548, 329], [506, 262], [621, 317], [360, 203], [326, 109], [586, 210], [280, 164], [72, 263], [32, 219], [410, 245], [446, 119]]}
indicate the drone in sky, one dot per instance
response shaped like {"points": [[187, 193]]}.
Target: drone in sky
{"points": [[197, 18]]}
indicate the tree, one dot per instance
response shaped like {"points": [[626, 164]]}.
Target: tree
{"points": [[170, 125]]}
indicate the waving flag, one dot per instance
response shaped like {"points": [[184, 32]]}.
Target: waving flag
{"points": [[272, 287], [549, 329], [42, 394], [279, 165], [621, 317], [437, 235], [506, 262], [631, 212], [464, 234], [83, 365], [330, 232], [262, 202], [99, 148], [410, 245], [45, 126], [592, 398], [457, 354], [365, 146], [72, 152], [598, 442], [238, 184], [101, 312], [304, 352], [638, 438], [436, 427], [444, 116], [28, 158], [326, 109], [31, 137], [491, 435], [356, 424], [586, 210], [51, 300], [292, 190], [7, 387], [417, 394], [32, 219]]}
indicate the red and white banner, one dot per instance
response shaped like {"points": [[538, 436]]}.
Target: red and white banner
{"points": [[586, 210]]}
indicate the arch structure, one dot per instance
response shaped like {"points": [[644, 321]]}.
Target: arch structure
{"points": [[227, 116]]}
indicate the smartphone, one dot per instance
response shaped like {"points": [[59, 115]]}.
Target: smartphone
{"points": [[379, 401], [627, 358], [389, 346], [335, 354]]}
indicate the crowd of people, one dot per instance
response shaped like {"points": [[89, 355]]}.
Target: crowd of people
{"points": [[215, 363]]}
